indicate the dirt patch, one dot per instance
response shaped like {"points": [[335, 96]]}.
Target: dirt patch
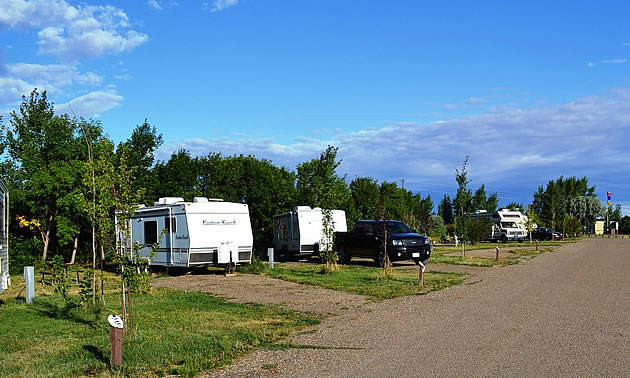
{"points": [[250, 288]]}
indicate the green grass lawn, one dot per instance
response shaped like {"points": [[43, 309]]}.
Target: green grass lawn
{"points": [[448, 248], [438, 258], [444, 254], [364, 280], [530, 252], [174, 333]]}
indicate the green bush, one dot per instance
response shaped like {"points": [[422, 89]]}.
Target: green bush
{"points": [[255, 267], [23, 252], [478, 229]]}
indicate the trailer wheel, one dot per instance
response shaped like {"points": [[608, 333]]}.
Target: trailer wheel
{"points": [[157, 269], [344, 257]]}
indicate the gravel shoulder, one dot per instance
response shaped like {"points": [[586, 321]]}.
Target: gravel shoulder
{"points": [[562, 313]]}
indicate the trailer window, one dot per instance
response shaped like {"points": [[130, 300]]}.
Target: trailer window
{"points": [[150, 232], [172, 225]]}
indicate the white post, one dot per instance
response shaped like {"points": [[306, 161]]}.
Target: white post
{"points": [[270, 254], [29, 278], [421, 269]]}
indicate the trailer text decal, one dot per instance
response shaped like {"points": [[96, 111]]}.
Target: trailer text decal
{"points": [[223, 222]]}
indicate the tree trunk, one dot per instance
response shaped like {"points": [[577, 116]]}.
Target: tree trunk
{"points": [[45, 239], [93, 265], [102, 284], [124, 305], [46, 235], [130, 311], [74, 249]]}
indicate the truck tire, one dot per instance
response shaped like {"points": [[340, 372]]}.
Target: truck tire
{"points": [[283, 254], [344, 257], [381, 260]]}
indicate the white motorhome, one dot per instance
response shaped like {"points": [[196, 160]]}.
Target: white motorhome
{"points": [[193, 234], [507, 225], [301, 231], [5, 279]]}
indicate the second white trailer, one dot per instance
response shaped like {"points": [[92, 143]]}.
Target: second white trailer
{"points": [[301, 231]]}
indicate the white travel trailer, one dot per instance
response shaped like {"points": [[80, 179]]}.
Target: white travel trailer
{"points": [[301, 231], [193, 234], [5, 279], [506, 224]]}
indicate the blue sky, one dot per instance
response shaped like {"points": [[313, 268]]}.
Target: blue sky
{"points": [[405, 89]]}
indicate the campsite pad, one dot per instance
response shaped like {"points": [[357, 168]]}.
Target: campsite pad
{"points": [[246, 288], [251, 288]]}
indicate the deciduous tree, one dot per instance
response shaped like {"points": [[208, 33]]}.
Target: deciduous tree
{"points": [[318, 183], [364, 192], [42, 147]]}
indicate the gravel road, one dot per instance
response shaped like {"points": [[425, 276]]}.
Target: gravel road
{"points": [[565, 313]]}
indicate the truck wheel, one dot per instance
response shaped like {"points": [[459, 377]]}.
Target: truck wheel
{"points": [[344, 257], [381, 261], [504, 239], [283, 255]]}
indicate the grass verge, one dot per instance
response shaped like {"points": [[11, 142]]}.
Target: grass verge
{"points": [[438, 258], [364, 280], [517, 252], [174, 333], [530, 252]]}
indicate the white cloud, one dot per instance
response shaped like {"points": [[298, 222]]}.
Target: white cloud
{"points": [[154, 4], [475, 101], [281, 154], [34, 14], [91, 104], [72, 31], [12, 89], [608, 61], [613, 61], [21, 78], [53, 76], [219, 5]]}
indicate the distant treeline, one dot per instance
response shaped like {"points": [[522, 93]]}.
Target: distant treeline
{"points": [[66, 179]]}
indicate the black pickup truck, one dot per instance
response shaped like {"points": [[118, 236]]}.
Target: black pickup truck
{"points": [[546, 233], [366, 240]]}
